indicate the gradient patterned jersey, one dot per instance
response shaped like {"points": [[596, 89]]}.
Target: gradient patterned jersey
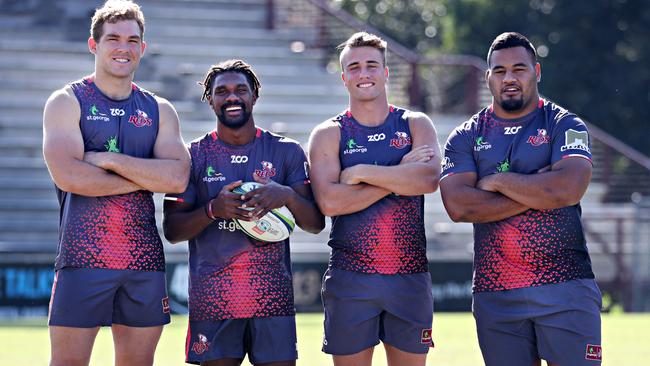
{"points": [[536, 247], [232, 275], [115, 232], [388, 236]]}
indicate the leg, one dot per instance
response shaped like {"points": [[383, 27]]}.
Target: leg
{"points": [[398, 357], [279, 363], [272, 341], [363, 358], [135, 345], [71, 346]]}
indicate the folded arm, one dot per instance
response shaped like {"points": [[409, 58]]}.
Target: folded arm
{"points": [[410, 177], [167, 172], [333, 197], [466, 203], [63, 150]]}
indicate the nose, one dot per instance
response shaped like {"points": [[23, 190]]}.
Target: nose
{"points": [[509, 77]]}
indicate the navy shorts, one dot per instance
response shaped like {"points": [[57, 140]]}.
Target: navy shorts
{"points": [[362, 309], [559, 323], [90, 297], [265, 340]]}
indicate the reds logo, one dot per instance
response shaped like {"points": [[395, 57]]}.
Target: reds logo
{"points": [[140, 120], [402, 140], [202, 345], [267, 171], [541, 138]]}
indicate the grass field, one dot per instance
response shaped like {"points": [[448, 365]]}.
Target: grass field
{"points": [[625, 342]]}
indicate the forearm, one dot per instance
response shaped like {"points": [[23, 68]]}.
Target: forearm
{"points": [[342, 199], [85, 179], [477, 206], [405, 179], [307, 215], [156, 175], [181, 226], [541, 191]]}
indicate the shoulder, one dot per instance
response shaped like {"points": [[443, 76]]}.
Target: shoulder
{"points": [[63, 100], [417, 118], [329, 127]]}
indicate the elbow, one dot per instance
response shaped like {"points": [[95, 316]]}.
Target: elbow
{"points": [[329, 208], [170, 235], [318, 226], [432, 184], [178, 184], [455, 213]]}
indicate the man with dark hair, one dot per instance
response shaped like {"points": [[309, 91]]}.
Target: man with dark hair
{"points": [[518, 170], [371, 166], [108, 145], [241, 293]]}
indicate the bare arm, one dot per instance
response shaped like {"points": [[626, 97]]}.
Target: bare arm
{"points": [[414, 178], [562, 186], [167, 172], [298, 199], [466, 203], [63, 150], [182, 221], [333, 197]]}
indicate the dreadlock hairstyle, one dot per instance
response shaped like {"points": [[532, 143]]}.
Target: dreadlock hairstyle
{"points": [[230, 66]]}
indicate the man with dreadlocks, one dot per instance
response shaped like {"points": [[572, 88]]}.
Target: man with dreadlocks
{"points": [[241, 293]]}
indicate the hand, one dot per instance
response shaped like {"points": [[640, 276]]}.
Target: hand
{"points": [[420, 154], [488, 183], [350, 175], [269, 196], [100, 159], [228, 205]]}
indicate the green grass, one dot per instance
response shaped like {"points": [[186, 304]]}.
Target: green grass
{"points": [[25, 342]]}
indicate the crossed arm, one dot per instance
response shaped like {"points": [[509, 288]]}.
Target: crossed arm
{"points": [[502, 195], [356, 188], [106, 173]]}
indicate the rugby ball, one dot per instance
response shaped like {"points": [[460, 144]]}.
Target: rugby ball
{"points": [[273, 227]]}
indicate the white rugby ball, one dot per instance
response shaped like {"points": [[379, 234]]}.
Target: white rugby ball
{"points": [[273, 227]]}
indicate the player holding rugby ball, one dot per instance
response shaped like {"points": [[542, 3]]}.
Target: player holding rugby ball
{"points": [[240, 288]]}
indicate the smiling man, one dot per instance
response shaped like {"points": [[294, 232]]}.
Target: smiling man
{"points": [[371, 166], [108, 145], [518, 170], [241, 293]]}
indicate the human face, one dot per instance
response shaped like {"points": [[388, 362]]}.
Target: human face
{"points": [[232, 99], [364, 73], [512, 79], [119, 49]]}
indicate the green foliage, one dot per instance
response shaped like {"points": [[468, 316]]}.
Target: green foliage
{"points": [[594, 53]]}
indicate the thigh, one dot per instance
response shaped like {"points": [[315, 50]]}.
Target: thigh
{"points": [[397, 357], [135, 346], [71, 346], [363, 358], [571, 335], [216, 340], [408, 312], [506, 334], [141, 300], [272, 340], [83, 297], [352, 312]]}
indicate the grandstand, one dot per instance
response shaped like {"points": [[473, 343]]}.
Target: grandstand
{"points": [[290, 45]]}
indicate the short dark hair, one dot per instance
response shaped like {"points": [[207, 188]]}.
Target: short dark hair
{"points": [[113, 11], [365, 39], [510, 40], [230, 66]]}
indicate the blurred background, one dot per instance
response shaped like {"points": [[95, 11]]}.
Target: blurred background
{"points": [[595, 62]]}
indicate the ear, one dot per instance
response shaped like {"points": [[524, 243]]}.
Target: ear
{"points": [[209, 99], [143, 47], [538, 72], [254, 100], [386, 71], [343, 76], [92, 45], [487, 78]]}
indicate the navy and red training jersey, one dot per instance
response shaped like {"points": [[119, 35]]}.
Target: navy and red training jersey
{"points": [[536, 247], [388, 236], [232, 275], [115, 232]]}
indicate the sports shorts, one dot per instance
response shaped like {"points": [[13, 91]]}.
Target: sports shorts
{"points": [[362, 309], [91, 297], [271, 339], [559, 323]]}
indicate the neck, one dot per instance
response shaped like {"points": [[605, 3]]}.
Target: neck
{"points": [[113, 87], [370, 113], [237, 136]]}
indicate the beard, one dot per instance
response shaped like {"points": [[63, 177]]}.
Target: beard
{"points": [[512, 105], [233, 122]]}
